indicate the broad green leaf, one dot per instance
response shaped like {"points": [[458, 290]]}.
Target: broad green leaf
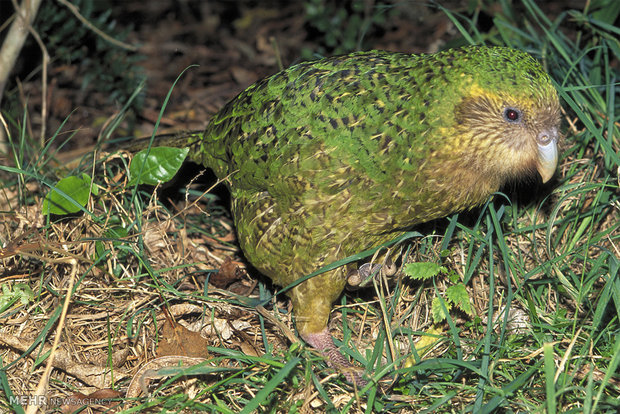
{"points": [[457, 294], [437, 310], [159, 166], [70, 194], [423, 270]]}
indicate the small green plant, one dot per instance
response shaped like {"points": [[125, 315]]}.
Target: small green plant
{"points": [[12, 293], [455, 296]]}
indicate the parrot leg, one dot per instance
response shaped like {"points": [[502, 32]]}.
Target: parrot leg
{"points": [[323, 342], [363, 275]]}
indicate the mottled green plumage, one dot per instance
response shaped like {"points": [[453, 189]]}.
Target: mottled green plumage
{"points": [[332, 157]]}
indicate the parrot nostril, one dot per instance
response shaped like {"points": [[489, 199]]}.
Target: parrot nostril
{"points": [[544, 138]]}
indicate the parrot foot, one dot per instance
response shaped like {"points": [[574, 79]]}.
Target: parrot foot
{"points": [[363, 275], [323, 342]]}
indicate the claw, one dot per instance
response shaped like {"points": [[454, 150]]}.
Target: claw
{"points": [[362, 276], [389, 268]]}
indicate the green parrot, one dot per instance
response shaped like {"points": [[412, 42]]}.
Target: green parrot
{"points": [[332, 157]]}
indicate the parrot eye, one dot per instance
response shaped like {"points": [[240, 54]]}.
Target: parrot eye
{"points": [[512, 115]]}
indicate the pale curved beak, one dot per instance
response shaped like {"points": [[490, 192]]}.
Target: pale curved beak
{"points": [[547, 153]]}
